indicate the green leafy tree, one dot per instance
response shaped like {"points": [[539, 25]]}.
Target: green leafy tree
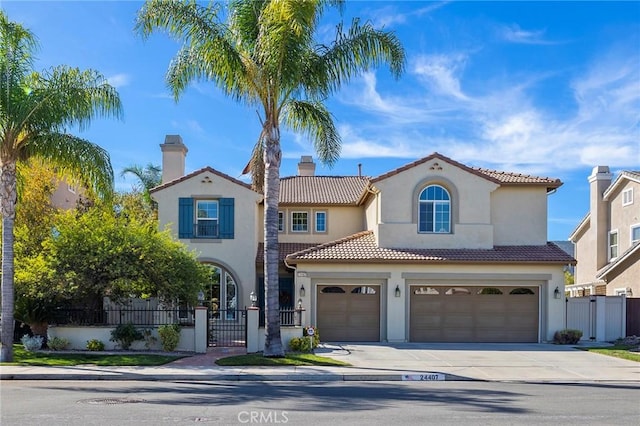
{"points": [[35, 110], [103, 252], [264, 55]]}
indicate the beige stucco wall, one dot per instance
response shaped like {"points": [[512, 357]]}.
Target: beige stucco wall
{"points": [[626, 276], [519, 215], [623, 217], [470, 208], [236, 255], [341, 222], [585, 243], [394, 310]]}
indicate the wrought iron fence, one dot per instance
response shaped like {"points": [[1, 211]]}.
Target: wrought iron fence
{"points": [[227, 327], [115, 316], [288, 317]]}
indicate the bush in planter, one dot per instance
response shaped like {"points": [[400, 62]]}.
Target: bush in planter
{"points": [[567, 337], [95, 345], [58, 343], [169, 336], [125, 335], [31, 343]]}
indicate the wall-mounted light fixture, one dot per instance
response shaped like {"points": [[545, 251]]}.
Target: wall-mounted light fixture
{"points": [[302, 290], [254, 298], [556, 293], [397, 291], [200, 298]]}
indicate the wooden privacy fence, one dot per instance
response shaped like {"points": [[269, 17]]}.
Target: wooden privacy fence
{"points": [[633, 316]]}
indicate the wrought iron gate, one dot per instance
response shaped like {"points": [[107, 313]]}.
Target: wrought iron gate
{"points": [[227, 327]]}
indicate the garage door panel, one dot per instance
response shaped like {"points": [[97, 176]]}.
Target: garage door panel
{"points": [[473, 314], [349, 313]]}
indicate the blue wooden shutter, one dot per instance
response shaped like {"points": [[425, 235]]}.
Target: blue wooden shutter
{"points": [[226, 218], [185, 218]]}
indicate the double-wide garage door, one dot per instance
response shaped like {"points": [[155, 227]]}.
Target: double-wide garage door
{"points": [[349, 313], [473, 314]]}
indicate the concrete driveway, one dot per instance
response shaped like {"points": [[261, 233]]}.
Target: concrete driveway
{"points": [[486, 361]]}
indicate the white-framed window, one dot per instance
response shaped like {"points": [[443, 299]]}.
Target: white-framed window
{"points": [[620, 291], [321, 221], [613, 244], [299, 221], [281, 224], [627, 197], [635, 233], [207, 215], [434, 210]]}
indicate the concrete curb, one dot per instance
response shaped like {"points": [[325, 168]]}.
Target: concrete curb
{"points": [[250, 377]]}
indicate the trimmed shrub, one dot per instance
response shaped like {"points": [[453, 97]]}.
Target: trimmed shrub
{"points": [[169, 336], [125, 334], [567, 337], [31, 343], [95, 345], [58, 343]]}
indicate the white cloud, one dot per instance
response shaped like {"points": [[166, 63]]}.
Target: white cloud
{"points": [[388, 16], [515, 34], [119, 80], [504, 124]]}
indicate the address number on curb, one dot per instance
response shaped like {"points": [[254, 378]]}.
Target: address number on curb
{"points": [[424, 377]]}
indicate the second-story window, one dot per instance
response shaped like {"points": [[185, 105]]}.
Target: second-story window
{"points": [[281, 224], [627, 197], [321, 221], [434, 210], [299, 222], [207, 218], [613, 245], [635, 234]]}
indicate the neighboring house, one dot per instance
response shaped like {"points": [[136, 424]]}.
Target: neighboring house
{"points": [[607, 240], [434, 251]]}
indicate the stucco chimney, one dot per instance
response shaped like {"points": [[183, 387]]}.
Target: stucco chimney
{"points": [[174, 153], [599, 181], [306, 166]]}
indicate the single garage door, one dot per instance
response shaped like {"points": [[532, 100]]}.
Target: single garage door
{"points": [[349, 313], [474, 314]]}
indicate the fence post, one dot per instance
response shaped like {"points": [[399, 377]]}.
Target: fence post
{"points": [[601, 318], [253, 337], [200, 331]]}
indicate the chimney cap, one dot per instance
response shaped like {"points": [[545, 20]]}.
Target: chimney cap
{"points": [[173, 140], [306, 159]]}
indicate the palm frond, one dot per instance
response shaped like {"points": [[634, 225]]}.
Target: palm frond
{"points": [[314, 119], [75, 157]]}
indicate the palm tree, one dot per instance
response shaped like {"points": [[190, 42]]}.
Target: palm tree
{"points": [[35, 109], [148, 176], [264, 54]]}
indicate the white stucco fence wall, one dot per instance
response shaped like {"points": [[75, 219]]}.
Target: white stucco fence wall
{"points": [[78, 337]]}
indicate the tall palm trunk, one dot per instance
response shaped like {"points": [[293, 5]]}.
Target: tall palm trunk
{"points": [[8, 199], [272, 157]]}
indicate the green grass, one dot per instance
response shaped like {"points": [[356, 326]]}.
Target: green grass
{"points": [[56, 359], [291, 359], [620, 351]]}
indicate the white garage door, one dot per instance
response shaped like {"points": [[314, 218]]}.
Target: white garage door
{"points": [[474, 314], [349, 313]]}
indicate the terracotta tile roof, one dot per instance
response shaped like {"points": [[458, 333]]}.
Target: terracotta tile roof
{"points": [[196, 173], [504, 178], [284, 250], [518, 178], [328, 190], [361, 248]]}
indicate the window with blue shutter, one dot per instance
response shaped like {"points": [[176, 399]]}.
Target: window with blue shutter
{"points": [[226, 218], [209, 226], [185, 218]]}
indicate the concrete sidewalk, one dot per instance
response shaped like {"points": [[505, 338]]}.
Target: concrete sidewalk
{"points": [[377, 361]]}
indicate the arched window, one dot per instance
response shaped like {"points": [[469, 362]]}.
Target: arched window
{"points": [[223, 293], [434, 210]]}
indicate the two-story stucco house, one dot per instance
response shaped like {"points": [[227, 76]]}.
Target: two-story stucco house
{"points": [[435, 251], [607, 240]]}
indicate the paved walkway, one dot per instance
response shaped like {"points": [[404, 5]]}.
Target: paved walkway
{"points": [[389, 362]]}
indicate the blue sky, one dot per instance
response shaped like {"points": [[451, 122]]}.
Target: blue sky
{"points": [[547, 88]]}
